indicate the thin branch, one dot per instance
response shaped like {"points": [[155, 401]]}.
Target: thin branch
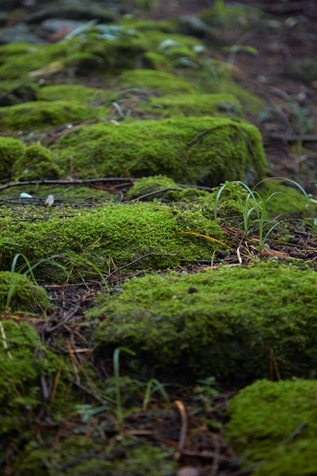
{"points": [[68, 182]]}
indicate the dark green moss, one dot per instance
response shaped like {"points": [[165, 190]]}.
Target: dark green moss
{"points": [[221, 323], [11, 150], [273, 427], [157, 81], [37, 163]]}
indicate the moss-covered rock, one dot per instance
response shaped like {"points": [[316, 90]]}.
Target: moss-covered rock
{"points": [[193, 105], [193, 150], [224, 323], [18, 293], [11, 150], [37, 163], [273, 427], [41, 114], [157, 81], [89, 242]]}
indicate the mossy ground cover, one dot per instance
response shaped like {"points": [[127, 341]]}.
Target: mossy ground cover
{"points": [[66, 401], [273, 427], [223, 323]]}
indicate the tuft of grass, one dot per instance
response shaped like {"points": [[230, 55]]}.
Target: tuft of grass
{"points": [[254, 207]]}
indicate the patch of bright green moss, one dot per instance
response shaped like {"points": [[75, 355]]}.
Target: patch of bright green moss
{"points": [[91, 242], [37, 163], [273, 427], [193, 150], [75, 92], [41, 114], [193, 105], [18, 293], [157, 81], [223, 323], [11, 150]]}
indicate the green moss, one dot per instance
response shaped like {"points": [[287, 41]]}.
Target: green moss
{"points": [[41, 114], [273, 427], [221, 323], [191, 150], [18, 293], [24, 360], [77, 92], [285, 200], [37, 163], [11, 150], [157, 81], [126, 457], [193, 105], [150, 184], [116, 235]]}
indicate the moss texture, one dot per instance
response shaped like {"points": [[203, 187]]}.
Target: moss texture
{"points": [[193, 105], [223, 323], [157, 81], [37, 163], [11, 150], [273, 427], [88, 240], [23, 361], [18, 293], [41, 114], [193, 150]]}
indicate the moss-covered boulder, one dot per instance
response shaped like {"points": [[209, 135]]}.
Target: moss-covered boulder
{"points": [[93, 242], [226, 323], [193, 150], [273, 427], [11, 150]]}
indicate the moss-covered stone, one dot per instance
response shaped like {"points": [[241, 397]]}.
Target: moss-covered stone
{"points": [[41, 114], [273, 427], [193, 105], [224, 323], [91, 242], [193, 150], [77, 92], [11, 150], [18, 293], [157, 81], [37, 163]]}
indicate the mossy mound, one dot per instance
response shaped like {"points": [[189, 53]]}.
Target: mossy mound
{"points": [[273, 427], [148, 185], [193, 150], [24, 361], [18, 293], [11, 150], [90, 242], [37, 163], [41, 114], [224, 323], [157, 81], [193, 105]]}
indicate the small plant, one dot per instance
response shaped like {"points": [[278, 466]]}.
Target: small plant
{"points": [[254, 208]]}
